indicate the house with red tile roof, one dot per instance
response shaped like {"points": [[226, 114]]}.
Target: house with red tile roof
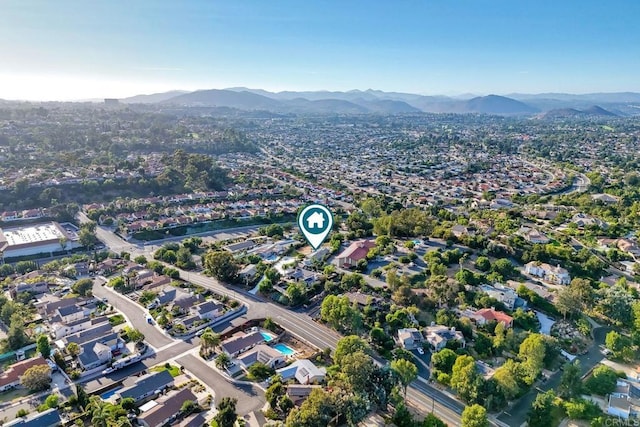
{"points": [[355, 252], [485, 315]]}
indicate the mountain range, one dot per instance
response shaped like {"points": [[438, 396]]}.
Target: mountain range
{"points": [[547, 105]]}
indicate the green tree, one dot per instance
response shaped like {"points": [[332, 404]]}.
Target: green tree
{"points": [[602, 381], [316, 411], [432, 421], [51, 401], [620, 345], [209, 340], [73, 349], [443, 360], [221, 265], [465, 379], [348, 345], [483, 263], [532, 352], [43, 346], [222, 361], [260, 372], [506, 377], [36, 378], [340, 314], [83, 287], [474, 416], [571, 381], [133, 334], [406, 372], [226, 415], [16, 338], [541, 411]]}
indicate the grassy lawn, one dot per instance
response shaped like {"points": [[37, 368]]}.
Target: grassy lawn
{"points": [[117, 319], [173, 370], [16, 393]]}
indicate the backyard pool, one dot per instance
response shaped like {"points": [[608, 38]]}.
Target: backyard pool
{"points": [[267, 337], [110, 393], [285, 349]]}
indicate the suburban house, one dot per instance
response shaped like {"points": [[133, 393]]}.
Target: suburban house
{"points": [[316, 256], [61, 329], [97, 330], [95, 353], [410, 338], [533, 236], [35, 288], [248, 273], [355, 252], [362, 300], [505, 295], [235, 248], [240, 343], [48, 418], [460, 231], [486, 315], [557, 275], [624, 401], [165, 409], [438, 336], [146, 386], [207, 310], [299, 393], [304, 371], [261, 353], [309, 278], [11, 377]]}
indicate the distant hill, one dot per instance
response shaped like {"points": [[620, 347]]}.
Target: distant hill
{"points": [[566, 113], [495, 104], [378, 102], [152, 98], [596, 110], [224, 98]]}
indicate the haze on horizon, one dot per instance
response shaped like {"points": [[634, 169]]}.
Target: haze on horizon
{"points": [[70, 50]]}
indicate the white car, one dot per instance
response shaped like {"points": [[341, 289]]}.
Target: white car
{"points": [[420, 350], [108, 371]]}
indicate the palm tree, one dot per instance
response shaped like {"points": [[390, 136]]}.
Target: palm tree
{"points": [[210, 340], [222, 361]]}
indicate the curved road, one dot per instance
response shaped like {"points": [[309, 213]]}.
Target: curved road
{"points": [[420, 393]]}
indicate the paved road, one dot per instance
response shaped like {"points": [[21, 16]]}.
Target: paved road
{"points": [[298, 324], [133, 312], [517, 414], [250, 398]]}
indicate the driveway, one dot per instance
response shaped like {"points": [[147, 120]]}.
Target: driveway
{"points": [[545, 323], [250, 398]]}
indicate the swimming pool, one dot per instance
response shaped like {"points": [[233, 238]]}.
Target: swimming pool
{"points": [[110, 393], [285, 349], [267, 337]]}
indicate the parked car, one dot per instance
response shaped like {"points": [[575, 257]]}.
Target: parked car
{"points": [[420, 350]]}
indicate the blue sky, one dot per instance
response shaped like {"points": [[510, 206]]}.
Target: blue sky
{"points": [[81, 49]]}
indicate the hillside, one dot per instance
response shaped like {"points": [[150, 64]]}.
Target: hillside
{"points": [[495, 104]]}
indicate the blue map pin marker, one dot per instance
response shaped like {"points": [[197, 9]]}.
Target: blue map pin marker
{"points": [[315, 222]]}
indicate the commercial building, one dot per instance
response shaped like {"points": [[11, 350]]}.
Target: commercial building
{"points": [[37, 239]]}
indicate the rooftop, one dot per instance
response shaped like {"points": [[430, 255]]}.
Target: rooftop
{"points": [[37, 233]]}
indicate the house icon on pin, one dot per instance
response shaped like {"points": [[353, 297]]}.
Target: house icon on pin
{"points": [[315, 220]]}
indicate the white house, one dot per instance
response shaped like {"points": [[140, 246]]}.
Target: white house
{"points": [[557, 275], [505, 295], [304, 371], [438, 336], [410, 338]]}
